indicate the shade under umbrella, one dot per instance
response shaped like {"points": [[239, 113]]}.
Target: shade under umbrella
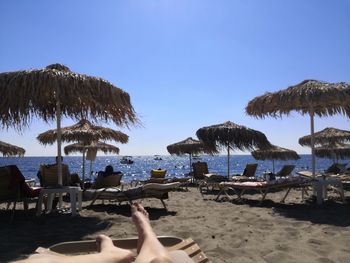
{"points": [[93, 147], [327, 136], [308, 97], [11, 150], [232, 136], [189, 146], [54, 91], [275, 153], [333, 151], [86, 133]]}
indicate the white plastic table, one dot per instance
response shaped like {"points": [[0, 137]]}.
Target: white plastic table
{"points": [[51, 193], [321, 188]]}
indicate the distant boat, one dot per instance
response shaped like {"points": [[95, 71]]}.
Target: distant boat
{"points": [[157, 158], [126, 160]]}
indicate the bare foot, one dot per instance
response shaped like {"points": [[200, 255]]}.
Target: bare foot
{"points": [[139, 216], [115, 254]]}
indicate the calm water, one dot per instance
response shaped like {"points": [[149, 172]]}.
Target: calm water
{"points": [[175, 165]]}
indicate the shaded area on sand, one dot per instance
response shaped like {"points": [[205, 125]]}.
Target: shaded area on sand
{"points": [[244, 231], [26, 233]]}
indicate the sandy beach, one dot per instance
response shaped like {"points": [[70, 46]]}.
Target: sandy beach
{"points": [[226, 231]]}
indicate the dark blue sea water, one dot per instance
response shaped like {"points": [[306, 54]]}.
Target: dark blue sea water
{"points": [[175, 165]]}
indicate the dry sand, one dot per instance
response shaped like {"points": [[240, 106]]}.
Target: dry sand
{"points": [[226, 231]]}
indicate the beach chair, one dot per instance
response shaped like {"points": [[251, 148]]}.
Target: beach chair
{"points": [[248, 173], [173, 244], [264, 188], [112, 180], [14, 189], [336, 168], [49, 175], [158, 173], [150, 190], [285, 170], [199, 170]]}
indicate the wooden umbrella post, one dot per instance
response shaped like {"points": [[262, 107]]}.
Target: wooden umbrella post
{"points": [[228, 161]]}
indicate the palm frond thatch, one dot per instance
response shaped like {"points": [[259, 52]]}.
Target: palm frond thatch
{"points": [[83, 131], [33, 93], [324, 98], [338, 150], [275, 153], [99, 146], [11, 150], [232, 135], [326, 136], [188, 146]]}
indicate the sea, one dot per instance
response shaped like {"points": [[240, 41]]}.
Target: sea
{"points": [[176, 166]]}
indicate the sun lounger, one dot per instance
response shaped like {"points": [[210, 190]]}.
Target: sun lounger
{"points": [[151, 190], [113, 180], [263, 187], [158, 177], [14, 189], [286, 170], [247, 175], [89, 246]]}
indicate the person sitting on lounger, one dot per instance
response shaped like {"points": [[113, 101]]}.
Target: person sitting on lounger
{"points": [[108, 171], [149, 249]]}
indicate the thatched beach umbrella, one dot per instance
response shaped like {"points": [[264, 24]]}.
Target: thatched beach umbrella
{"points": [[84, 132], [94, 146], [11, 150], [327, 136], [188, 146], [308, 97], [232, 136], [275, 153], [53, 91], [333, 151]]}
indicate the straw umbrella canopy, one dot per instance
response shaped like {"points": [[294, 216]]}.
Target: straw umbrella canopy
{"points": [[84, 132], [232, 136], [94, 146], [53, 91], [327, 136], [11, 150], [275, 153], [334, 151], [308, 97], [98, 146], [188, 146]]}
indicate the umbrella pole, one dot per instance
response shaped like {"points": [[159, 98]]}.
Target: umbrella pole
{"points": [[83, 169], [59, 153], [312, 144], [228, 161], [190, 162], [318, 188], [90, 172]]}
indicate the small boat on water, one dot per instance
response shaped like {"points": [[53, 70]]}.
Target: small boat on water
{"points": [[157, 158], [126, 160]]}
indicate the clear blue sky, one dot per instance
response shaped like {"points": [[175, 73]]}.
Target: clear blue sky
{"points": [[186, 64]]}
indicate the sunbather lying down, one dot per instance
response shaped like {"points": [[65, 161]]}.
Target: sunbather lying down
{"points": [[149, 249]]}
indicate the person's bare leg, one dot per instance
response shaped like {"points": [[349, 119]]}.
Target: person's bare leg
{"points": [[149, 247]]}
